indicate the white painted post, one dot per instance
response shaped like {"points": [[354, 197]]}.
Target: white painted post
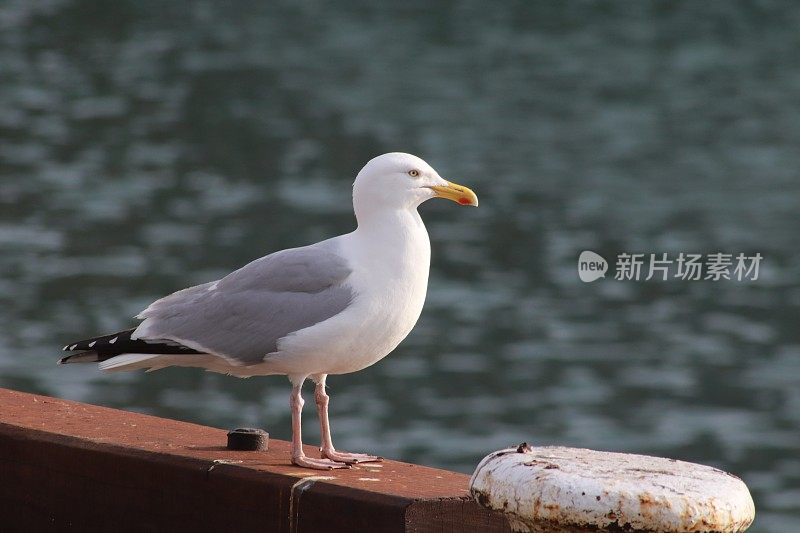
{"points": [[572, 490]]}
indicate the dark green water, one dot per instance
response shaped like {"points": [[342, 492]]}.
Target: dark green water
{"points": [[146, 146]]}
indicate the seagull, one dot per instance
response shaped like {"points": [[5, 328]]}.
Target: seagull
{"points": [[333, 307]]}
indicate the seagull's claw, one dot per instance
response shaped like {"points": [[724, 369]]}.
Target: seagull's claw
{"points": [[349, 458], [318, 464]]}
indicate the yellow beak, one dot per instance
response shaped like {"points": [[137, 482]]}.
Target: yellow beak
{"points": [[457, 193]]}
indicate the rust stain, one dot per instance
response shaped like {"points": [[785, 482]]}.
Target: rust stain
{"points": [[546, 465], [482, 498], [537, 507]]}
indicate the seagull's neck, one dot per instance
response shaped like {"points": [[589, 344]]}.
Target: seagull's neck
{"points": [[395, 236], [401, 223]]}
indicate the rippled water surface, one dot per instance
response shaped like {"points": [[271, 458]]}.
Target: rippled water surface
{"points": [[146, 146]]}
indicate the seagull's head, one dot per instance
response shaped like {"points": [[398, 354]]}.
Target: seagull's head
{"points": [[403, 181]]}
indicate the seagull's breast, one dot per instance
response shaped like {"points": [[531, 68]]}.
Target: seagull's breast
{"points": [[390, 266]]}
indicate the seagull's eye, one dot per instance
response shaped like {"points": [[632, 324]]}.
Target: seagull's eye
{"points": [[413, 173]]}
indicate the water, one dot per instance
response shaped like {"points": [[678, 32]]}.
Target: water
{"points": [[148, 146]]}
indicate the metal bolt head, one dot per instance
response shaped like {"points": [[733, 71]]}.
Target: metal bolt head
{"points": [[248, 439]]}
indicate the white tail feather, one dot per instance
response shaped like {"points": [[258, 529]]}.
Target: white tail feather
{"points": [[156, 361], [128, 361]]}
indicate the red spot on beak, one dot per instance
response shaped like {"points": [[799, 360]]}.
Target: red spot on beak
{"points": [[464, 201]]}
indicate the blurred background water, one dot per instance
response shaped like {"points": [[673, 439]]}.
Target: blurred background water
{"points": [[146, 146]]}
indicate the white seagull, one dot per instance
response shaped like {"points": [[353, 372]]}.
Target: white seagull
{"points": [[333, 307]]}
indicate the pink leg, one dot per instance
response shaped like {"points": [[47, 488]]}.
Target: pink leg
{"points": [[327, 450], [299, 458]]}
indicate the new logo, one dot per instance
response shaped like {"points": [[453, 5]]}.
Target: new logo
{"points": [[591, 266]]}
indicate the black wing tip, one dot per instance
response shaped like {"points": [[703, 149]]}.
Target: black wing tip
{"points": [[83, 357], [108, 339], [121, 342]]}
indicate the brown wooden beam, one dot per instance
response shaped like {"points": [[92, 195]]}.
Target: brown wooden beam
{"points": [[69, 465]]}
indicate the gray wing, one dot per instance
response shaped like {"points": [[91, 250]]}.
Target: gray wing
{"points": [[242, 316]]}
